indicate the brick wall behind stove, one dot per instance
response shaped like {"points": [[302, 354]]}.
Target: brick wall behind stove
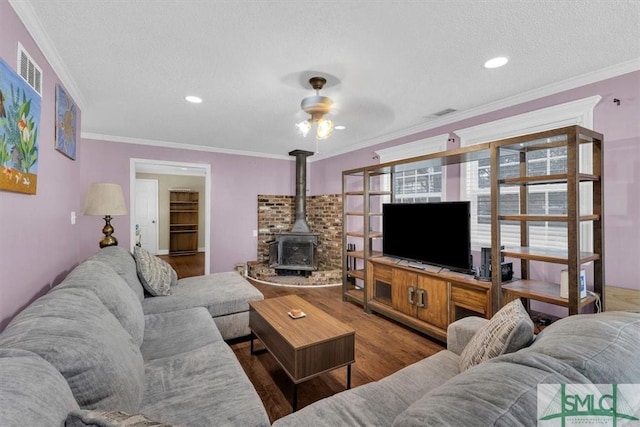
{"points": [[277, 214]]}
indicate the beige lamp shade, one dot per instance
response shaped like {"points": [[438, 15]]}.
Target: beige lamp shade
{"points": [[105, 199]]}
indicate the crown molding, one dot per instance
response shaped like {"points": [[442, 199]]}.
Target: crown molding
{"points": [[180, 146], [27, 15], [414, 149]]}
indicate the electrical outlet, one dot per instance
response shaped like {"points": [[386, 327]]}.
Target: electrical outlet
{"points": [[73, 217], [255, 233]]}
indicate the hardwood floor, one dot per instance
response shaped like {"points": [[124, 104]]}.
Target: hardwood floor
{"points": [[382, 346], [186, 265]]}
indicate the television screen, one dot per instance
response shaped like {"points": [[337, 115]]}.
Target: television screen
{"points": [[432, 233]]}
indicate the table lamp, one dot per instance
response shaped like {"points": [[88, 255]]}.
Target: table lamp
{"points": [[105, 199]]}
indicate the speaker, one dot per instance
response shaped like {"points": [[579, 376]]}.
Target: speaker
{"points": [[485, 266]]}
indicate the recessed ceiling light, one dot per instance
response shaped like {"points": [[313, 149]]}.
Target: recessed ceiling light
{"points": [[496, 62], [340, 127], [194, 99]]}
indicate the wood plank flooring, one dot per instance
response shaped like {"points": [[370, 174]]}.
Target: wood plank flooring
{"points": [[186, 265]]}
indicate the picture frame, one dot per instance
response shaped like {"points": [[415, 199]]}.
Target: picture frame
{"points": [[20, 111], [66, 139]]}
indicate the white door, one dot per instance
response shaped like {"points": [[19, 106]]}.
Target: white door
{"points": [[146, 214]]}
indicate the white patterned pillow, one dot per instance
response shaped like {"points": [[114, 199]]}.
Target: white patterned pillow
{"points": [[509, 330], [156, 275], [82, 418]]}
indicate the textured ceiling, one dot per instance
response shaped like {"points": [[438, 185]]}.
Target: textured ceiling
{"points": [[390, 65]]}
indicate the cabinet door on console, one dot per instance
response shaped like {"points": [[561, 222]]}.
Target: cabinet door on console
{"points": [[432, 300], [405, 286]]}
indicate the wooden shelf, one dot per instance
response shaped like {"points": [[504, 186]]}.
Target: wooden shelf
{"points": [[360, 254], [542, 291], [372, 235], [358, 274], [547, 179], [547, 218], [556, 256]]}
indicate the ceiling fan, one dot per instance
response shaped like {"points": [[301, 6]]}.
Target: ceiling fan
{"points": [[316, 106]]}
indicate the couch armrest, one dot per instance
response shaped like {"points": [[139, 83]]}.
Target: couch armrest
{"points": [[460, 332]]}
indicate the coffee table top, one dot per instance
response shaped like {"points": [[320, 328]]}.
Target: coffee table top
{"points": [[316, 327]]}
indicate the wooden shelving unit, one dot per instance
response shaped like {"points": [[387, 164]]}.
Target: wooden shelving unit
{"points": [[362, 199], [183, 222], [364, 193], [577, 143]]}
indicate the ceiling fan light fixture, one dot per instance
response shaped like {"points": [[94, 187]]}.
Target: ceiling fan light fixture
{"points": [[316, 106]]}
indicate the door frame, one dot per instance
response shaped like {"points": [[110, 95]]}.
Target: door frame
{"points": [[167, 167]]}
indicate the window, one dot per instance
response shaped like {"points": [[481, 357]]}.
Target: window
{"points": [[549, 199], [419, 184], [416, 182]]}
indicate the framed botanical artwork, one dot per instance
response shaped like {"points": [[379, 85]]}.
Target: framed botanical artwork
{"points": [[66, 123], [20, 108]]}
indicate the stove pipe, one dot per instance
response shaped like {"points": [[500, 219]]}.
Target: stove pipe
{"points": [[300, 225]]}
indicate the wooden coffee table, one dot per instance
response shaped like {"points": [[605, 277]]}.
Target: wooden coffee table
{"points": [[304, 347]]}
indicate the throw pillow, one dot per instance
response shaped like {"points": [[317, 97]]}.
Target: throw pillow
{"points": [[83, 418], [509, 330], [156, 275]]}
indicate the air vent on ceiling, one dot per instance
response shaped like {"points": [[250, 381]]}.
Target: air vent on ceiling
{"points": [[29, 70], [444, 112]]}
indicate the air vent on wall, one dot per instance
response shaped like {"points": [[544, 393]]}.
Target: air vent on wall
{"points": [[29, 70]]}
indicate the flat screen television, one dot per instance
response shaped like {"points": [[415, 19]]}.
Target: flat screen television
{"points": [[431, 233]]}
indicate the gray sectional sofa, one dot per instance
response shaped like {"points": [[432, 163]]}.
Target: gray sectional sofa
{"points": [[582, 349], [94, 342], [94, 350]]}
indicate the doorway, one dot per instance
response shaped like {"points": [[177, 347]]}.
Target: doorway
{"points": [[165, 167]]}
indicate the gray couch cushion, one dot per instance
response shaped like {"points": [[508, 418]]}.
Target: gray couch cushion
{"points": [[122, 263], [175, 332], [72, 330], [155, 274], [113, 292], [220, 293], [604, 347], [378, 403], [202, 387], [509, 330], [32, 392], [85, 418], [499, 392]]}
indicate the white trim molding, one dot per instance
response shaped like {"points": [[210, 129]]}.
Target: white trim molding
{"points": [[421, 147], [579, 112]]}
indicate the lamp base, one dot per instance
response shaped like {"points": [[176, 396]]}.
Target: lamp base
{"points": [[107, 230]]}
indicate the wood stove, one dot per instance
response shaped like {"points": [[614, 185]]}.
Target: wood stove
{"points": [[295, 252]]}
